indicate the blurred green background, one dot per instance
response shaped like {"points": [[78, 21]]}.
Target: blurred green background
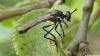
{"points": [[7, 26]]}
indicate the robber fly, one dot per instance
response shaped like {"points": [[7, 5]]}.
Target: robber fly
{"points": [[56, 16]]}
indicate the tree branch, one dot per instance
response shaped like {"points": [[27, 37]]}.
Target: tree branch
{"points": [[94, 17], [23, 10], [82, 32]]}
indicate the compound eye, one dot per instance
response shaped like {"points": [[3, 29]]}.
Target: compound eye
{"points": [[68, 15]]}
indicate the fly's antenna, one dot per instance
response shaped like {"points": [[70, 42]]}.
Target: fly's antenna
{"points": [[74, 10]]}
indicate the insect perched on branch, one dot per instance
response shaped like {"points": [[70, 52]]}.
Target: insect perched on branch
{"points": [[56, 16]]}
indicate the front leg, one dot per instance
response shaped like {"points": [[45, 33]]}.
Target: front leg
{"points": [[65, 23], [62, 30]]}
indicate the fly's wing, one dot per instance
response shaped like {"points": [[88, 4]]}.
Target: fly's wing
{"points": [[25, 27]]}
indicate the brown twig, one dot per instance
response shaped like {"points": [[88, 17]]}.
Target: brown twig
{"points": [[83, 48], [94, 17], [82, 32], [20, 11]]}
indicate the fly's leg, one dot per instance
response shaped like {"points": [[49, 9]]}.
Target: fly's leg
{"points": [[49, 32], [58, 32], [62, 30], [65, 24]]}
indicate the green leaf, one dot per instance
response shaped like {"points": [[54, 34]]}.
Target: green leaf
{"points": [[33, 42], [30, 43], [8, 23]]}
